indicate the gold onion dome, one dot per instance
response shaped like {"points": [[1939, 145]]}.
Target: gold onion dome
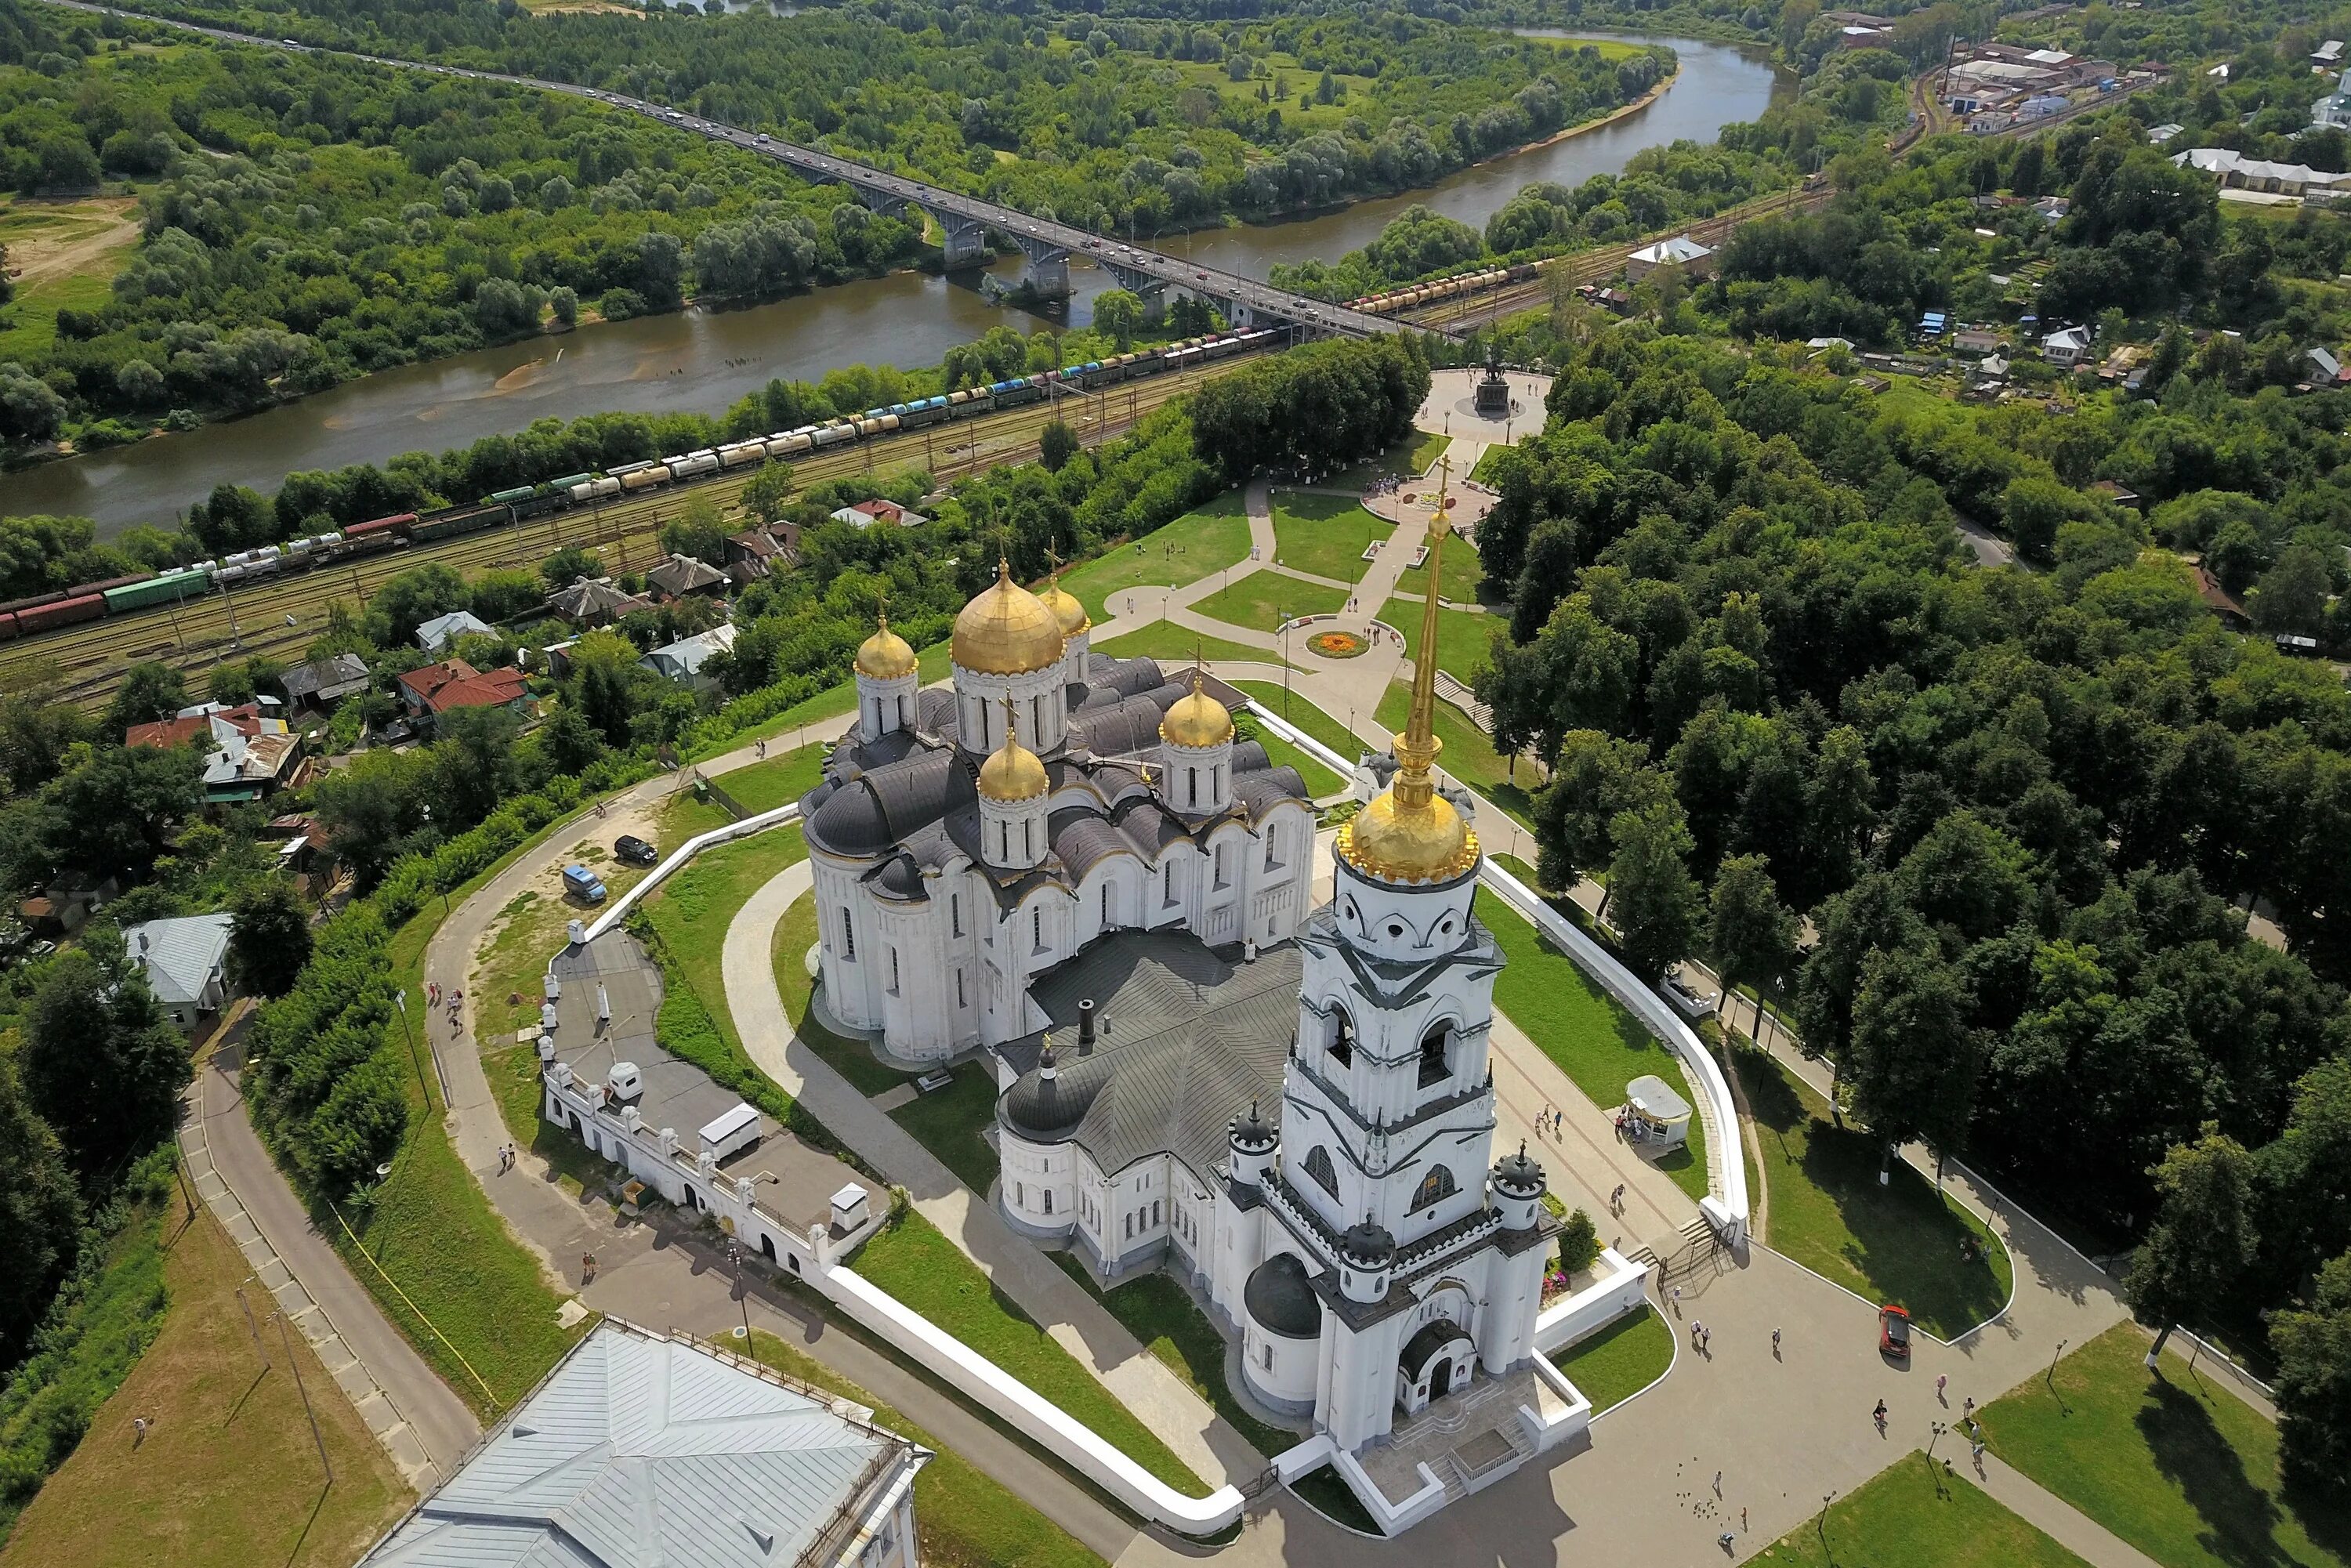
{"points": [[1012, 773], [1197, 719], [1006, 630], [884, 656], [1070, 614], [1410, 834]]}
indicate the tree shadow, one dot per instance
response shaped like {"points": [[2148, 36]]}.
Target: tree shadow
{"points": [[1774, 1102], [2191, 1452], [1904, 1237]]}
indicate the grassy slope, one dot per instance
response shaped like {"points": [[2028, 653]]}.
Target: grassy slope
{"points": [[1902, 1519], [1620, 1361], [693, 909], [1201, 541], [1465, 642], [1263, 599], [1325, 535], [795, 935], [2181, 1469], [1156, 1312], [228, 1477], [952, 1124], [1175, 645], [778, 781], [1456, 578], [1320, 781], [1893, 1243], [964, 1518], [1468, 755], [926, 1272], [1594, 1041], [1302, 715]]}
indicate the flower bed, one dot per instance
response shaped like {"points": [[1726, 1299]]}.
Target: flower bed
{"points": [[1336, 644]]}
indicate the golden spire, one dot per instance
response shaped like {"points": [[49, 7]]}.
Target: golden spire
{"points": [[1014, 772], [1417, 748]]}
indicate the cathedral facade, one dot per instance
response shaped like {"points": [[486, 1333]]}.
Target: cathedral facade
{"points": [[965, 842]]}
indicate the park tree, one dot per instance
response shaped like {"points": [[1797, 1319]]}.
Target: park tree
{"points": [[569, 565], [35, 733], [602, 684], [40, 1215], [1750, 934], [113, 815], [1656, 904], [699, 531], [2312, 1340], [1056, 445], [1119, 312], [412, 598], [1594, 780], [150, 691], [2291, 596], [768, 492], [100, 1062], [2202, 1239], [269, 938], [1910, 1069]]}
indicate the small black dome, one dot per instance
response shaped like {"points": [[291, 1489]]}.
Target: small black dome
{"points": [[1048, 1110], [1518, 1174], [1368, 1245], [901, 880], [1281, 1302], [1252, 1132], [851, 821]]}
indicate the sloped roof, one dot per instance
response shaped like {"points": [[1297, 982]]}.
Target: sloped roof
{"points": [[686, 657], [487, 689], [592, 599], [1680, 248], [325, 679], [643, 1452], [438, 632], [431, 678], [681, 574], [179, 953]]}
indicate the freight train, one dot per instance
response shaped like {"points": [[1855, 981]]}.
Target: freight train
{"points": [[123, 595], [1391, 301]]}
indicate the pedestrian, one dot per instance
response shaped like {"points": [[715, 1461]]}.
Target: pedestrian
{"points": [[138, 1430], [1878, 1416], [1706, 1341], [1941, 1379], [1967, 1410], [1717, 1483], [1677, 1293], [1775, 1345], [1975, 1451], [1742, 1518]]}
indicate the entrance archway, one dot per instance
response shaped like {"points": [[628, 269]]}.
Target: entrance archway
{"points": [[1436, 1360]]}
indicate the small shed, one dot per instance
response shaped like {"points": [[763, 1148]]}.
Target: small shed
{"points": [[1655, 1114]]}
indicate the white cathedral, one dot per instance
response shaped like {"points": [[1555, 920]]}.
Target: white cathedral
{"points": [[1290, 1105]]}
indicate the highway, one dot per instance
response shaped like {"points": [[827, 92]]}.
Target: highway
{"points": [[1270, 305]]}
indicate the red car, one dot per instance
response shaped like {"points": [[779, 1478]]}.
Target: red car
{"points": [[1894, 1332]]}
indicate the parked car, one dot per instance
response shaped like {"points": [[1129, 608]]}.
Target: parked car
{"points": [[1894, 1332], [583, 885], [634, 849]]}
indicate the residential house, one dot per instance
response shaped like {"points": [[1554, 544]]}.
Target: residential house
{"points": [[185, 958], [2162, 133], [442, 630], [593, 602], [682, 661], [2237, 172], [2334, 108], [643, 1447], [2328, 55], [2326, 369], [680, 575], [322, 683], [67, 903], [759, 552], [1977, 341], [1854, 36], [1681, 252], [865, 514], [252, 754], [2209, 590], [441, 688], [2066, 347], [2120, 494]]}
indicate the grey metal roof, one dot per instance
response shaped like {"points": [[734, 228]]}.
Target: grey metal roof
{"points": [[180, 953], [677, 1093], [441, 631], [1189, 1039], [645, 1452], [1279, 1299]]}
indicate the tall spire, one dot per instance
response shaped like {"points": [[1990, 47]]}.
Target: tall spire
{"points": [[1417, 748]]}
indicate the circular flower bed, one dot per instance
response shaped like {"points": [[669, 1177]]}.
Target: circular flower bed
{"points": [[1336, 644]]}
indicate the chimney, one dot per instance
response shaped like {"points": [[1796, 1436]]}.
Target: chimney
{"points": [[1086, 1026]]}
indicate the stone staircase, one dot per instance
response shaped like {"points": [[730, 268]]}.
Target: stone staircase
{"points": [[1687, 1251], [1461, 696]]}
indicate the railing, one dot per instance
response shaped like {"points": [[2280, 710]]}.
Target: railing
{"points": [[685, 852]]}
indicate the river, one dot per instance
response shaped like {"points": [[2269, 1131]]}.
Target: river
{"points": [[704, 361]]}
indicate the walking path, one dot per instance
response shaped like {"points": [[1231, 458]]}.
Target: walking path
{"points": [[424, 1427], [1077, 1321], [2052, 1516]]}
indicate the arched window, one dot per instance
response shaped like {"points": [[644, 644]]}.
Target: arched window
{"points": [[1433, 1069], [1342, 1044], [1318, 1167], [1435, 1187]]}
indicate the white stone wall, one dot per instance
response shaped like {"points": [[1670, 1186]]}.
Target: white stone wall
{"points": [[1041, 709]]}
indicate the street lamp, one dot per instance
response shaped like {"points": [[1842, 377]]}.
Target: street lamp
{"points": [[742, 1289]]}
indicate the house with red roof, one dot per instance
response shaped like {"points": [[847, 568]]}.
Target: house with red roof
{"points": [[453, 684]]}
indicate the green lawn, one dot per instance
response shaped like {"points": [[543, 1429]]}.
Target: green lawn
{"points": [[1320, 781], [1263, 599], [795, 935], [1322, 1490], [1488, 461], [1905, 1519], [773, 782], [1620, 1360], [830, 703], [1174, 647], [1202, 540], [1408, 458], [1469, 756], [1465, 642], [2177, 1465], [952, 1124], [1594, 1041], [1457, 577], [1897, 1243], [1156, 1312], [693, 909], [1325, 535], [930, 1274], [1302, 715], [963, 1517]]}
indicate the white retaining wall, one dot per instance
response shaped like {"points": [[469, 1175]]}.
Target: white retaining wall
{"points": [[620, 907], [1726, 1207], [1598, 1304]]}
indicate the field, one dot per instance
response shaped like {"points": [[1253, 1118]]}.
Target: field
{"points": [[1897, 1243], [1611, 1366], [777, 781], [1205, 539], [1457, 575], [227, 1476], [964, 1518], [952, 1124], [67, 252], [1175, 645], [922, 1269], [1325, 535], [1594, 1041], [1408, 459], [1263, 599], [1903, 1519], [1469, 756], [1465, 642], [1357, 95], [1156, 1312], [2183, 1470]]}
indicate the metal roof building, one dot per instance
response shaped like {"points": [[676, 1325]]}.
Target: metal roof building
{"points": [[641, 1450], [185, 958]]}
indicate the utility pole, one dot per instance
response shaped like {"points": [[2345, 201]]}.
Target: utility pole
{"points": [[400, 999], [251, 1327], [302, 1388]]}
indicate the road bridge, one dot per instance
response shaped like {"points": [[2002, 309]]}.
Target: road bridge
{"points": [[1049, 244]]}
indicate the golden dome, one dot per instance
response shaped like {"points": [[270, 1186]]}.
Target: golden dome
{"points": [[1197, 719], [1067, 611], [884, 656], [1398, 842], [1013, 773], [1006, 630]]}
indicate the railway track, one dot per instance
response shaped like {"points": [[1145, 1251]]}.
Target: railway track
{"points": [[281, 616]]}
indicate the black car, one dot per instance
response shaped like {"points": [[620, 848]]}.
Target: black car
{"points": [[635, 851]]}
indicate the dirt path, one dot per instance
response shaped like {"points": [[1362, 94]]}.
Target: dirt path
{"points": [[36, 257]]}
